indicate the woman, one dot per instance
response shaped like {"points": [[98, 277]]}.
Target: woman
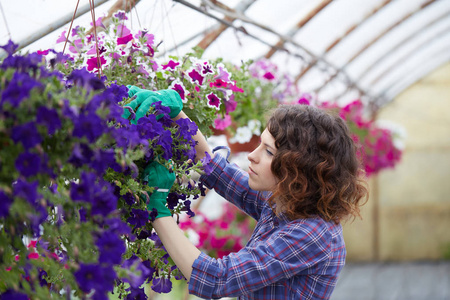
{"points": [[303, 180]]}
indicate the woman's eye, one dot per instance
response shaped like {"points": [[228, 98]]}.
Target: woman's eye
{"points": [[270, 153]]}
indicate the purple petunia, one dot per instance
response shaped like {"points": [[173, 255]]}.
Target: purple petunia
{"points": [[102, 160], [81, 154], [48, 117], [111, 248], [104, 201], [165, 141], [138, 218], [26, 190], [89, 126], [207, 168], [95, 277], [18, 89], [136, 294], [5, 203], [85, 79], [145, 271], [13, 295], [148, 127], [161, 285], [10, 48], [28, 164], [27, 134], [83, 190]]}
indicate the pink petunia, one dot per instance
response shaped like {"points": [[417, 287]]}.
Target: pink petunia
{"points": [[230, 105], [76, 46], [98, 23], [122, 30], [222, 124], [124, 40], [170, 65], [196, 77], [234, 87], [213, 101], [93, 63], [303, 101], [33, 255], [269, 76], [218, 84], [223, 73], [43, 52], [62, 38], [179, 87], [206, 68]]}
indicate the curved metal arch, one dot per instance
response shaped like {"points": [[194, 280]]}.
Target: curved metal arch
{"points": [[211, 36], [399, 45], [339, 39], [373, 41], [299, 25], [423, 45], [439, 58]]}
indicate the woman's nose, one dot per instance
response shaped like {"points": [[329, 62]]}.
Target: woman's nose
{"points": [[252, 156]]}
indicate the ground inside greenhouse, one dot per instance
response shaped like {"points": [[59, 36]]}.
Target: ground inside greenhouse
{"points": [[394, 281]]}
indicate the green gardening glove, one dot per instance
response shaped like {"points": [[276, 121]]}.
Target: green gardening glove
{"points": [[162, 179], [145, 98]]}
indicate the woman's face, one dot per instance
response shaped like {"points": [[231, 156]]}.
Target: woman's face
{"points": [[260, 174]]}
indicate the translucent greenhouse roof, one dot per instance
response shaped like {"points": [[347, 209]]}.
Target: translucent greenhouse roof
{"points": [[338, 50]]}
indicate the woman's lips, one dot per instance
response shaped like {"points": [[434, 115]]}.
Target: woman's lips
{"points": [[250, 171]]}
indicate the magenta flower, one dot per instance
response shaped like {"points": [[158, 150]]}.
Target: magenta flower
{"points": [[207, 68], [221, 124], [218, 84], [303, 101], [268, 76], [213, 101], [93, 63], [170, 65], [43, 52], [179, 87], [234, 87], [124, 40], [196, 77]]}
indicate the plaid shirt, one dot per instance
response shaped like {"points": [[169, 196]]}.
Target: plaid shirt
{"points": [[283, 259]]}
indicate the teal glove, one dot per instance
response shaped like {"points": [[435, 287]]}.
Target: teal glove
{"points": [[159, 177], [145, 98]]}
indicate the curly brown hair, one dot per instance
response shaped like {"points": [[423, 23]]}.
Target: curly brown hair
{"points": [[318, 171]]}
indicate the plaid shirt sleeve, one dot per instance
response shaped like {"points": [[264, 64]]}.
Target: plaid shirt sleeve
{"points": [[299, 248], [231, 182]]}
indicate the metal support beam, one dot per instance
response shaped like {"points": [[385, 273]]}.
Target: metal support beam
{"points": [[299, 25], [55, 25], [281, 36], [373, 41], [339, 39]]}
